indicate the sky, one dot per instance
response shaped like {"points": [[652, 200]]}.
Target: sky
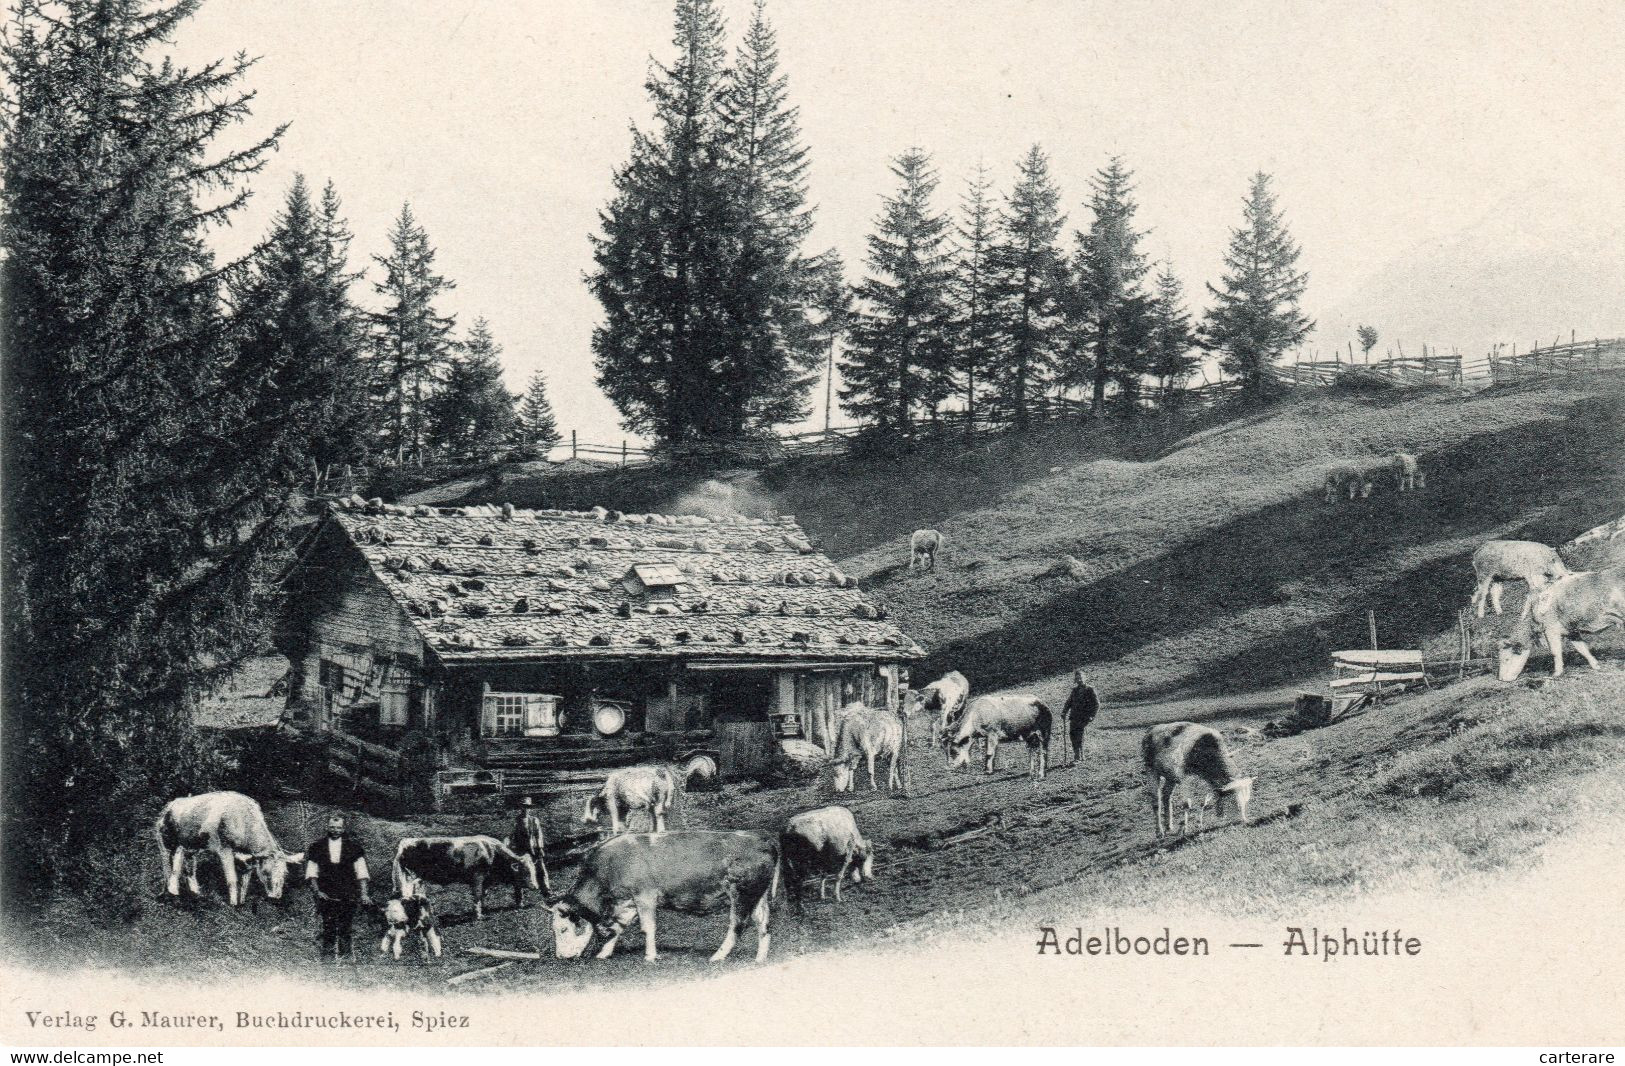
{"points": [[1396, 131]]}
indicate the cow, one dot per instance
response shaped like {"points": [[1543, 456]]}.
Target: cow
{"points": [[1178, 751], [946, 696], [1586, 602], [999, 718], [1348, 479], [525, 838], [474, 861], [691, 871], [923, 546], [1082, 704], [1408, 473], [402, 918], [824, 843], [1528, 561], [866, 733], [232, 827], [650, 787]]}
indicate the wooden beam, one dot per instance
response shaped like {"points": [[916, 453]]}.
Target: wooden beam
{"points": [[474, 975], [503, 953]]}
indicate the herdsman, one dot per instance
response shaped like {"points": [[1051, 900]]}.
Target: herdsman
{"points": [[336, 868], [1081, 707]]}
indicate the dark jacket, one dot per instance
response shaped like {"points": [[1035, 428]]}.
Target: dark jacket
{"points": [[336, 879]]}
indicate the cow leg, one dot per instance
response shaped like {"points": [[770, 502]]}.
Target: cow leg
{"points": [[175, 860], [992, 746], [732, 938], [894, 779], [846, 864], [764, 920], [479, 897], [618, 922], [383, 945], [228, 863], [1554, 637], [1495, 595], [1480, 594], [660, 819], [873, 785], [1585, 653], [614, 817], [431, 936], [646, 920]]}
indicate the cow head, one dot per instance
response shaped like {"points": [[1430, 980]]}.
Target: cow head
{"points": [[1233, 799], [270, 870], [1513, 654], [596, 808], [525, 869], [958, 752], [846, 774], [572, 931], [863, 865]]}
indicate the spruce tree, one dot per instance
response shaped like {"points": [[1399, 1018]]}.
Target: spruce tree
{"points": [[1029, 286], [1108, 305], [1255, 316], [832, 303], [299, 346], [140, 539], [771, 288], [537, 424], [897, 363], [1171, 354], [665, 348], [412, 341], [473, 416], [976, 333]]}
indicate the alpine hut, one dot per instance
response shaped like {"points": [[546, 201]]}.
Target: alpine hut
{"points": [[517, 651]]}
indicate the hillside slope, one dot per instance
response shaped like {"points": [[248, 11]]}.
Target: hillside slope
{"points": [[1210, 564]]}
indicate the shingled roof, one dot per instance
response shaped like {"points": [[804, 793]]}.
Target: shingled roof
{"points": [[484, 583]]}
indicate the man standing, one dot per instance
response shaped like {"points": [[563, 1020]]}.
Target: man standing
{"points": [[1081, 707], [336, 868]]}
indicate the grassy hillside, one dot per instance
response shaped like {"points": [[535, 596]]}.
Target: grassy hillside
{"points": [[1209, 562]]}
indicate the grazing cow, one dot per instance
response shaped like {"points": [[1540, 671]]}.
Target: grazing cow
{"points": [[1082, 704], [1587, 602], [999, 718], [691, 871], [525, 838], [923, 547], [1348, 479], [650, 787], [824, 843], [232, 826], [1496, 561], [474, 861], [866, 733], [1178, 751], [402, 918], [946, 696], [1408, 473]]}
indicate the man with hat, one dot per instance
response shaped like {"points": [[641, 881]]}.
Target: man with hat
{"points": [[336, 868]]}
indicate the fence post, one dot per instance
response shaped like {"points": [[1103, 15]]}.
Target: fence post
{"points": [[572, 444], [623, 451]]}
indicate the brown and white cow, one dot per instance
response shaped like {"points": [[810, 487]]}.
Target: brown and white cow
{"points": [[651, 787], [1000, 718], [232, 827], [1587, 602], [405, 916], [635, 875], [824, 843], [945, 697], [475, 861], [866, 733], [1181, 751]]}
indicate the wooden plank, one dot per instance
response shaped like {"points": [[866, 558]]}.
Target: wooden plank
{"points": [[1370, 657], [474, 975], [1371, 679]]}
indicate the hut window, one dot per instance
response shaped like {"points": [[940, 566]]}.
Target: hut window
{"points": [[504, 714], [392, 707]]}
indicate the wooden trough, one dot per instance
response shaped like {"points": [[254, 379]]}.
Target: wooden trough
{"points": [[1359, 675]]}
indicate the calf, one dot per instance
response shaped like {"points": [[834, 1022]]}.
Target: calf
{"points": [[824, 843], [232, 827], [1180, 750], [866, 733], [402, 918], [650, 788], [1348, 479], [1587, 602], [946, 696], [690, 871], [1408, 473], [1528, 561], [923, 546], [474, 861], [999, 718]]}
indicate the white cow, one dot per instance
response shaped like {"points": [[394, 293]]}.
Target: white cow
{"points": [[651, 788], [1528, 561], [824, 843], [866, 733], [946, 696], [1587, 602], [1180, 750], [1408, 473], [232, 827], [923, 546]]}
